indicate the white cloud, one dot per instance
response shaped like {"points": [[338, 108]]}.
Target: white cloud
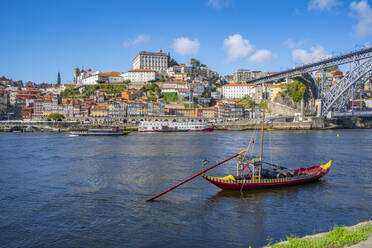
{"points": [[367, 44], [236, 47], [363, 12], [262, 56], [323, 4], [185, 46], [218, 3], [303, 56], [139, 39], [290, 43]]}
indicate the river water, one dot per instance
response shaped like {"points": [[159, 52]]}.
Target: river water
{"points": [[62, 191]]}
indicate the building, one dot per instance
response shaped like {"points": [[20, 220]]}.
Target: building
{"points": [[107, 77], [242, 76], [129, 94], [154, 61], [171, 71], [197, 88], [116, 109], [181, 88], [237, 91], [182, 112], [136, 108], [229, 110], [273, 90], [139, 75], [79, 75], [245, 75]]}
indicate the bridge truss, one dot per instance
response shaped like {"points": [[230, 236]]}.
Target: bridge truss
{"points": [[337, 96], [322, 64]]}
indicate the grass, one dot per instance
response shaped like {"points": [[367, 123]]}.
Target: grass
{"points": [[337, 237]]}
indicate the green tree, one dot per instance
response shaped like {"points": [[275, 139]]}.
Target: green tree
{"points": [[194, 62], [296, 90], [170, 97], [332, 68], [151, 90], [247, 101], [70, 93], [172, 62], [100, 81], [55, 117]]}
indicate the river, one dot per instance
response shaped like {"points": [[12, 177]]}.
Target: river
{"points": [[62, 191]]}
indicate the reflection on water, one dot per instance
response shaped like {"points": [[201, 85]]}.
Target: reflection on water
{"points": [[60, 191]]}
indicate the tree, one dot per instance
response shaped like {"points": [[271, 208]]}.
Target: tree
{"points": [[151, 90], [172, 62], [55, 117], [247, 102], [100, 81], [194, 62], [297, 90], [332, 68]]}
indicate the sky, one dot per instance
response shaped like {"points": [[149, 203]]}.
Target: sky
{"points": [[40, 38]]}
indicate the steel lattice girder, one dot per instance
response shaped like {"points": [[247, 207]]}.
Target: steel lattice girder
{"points": [[339, 95], [339, 60]]}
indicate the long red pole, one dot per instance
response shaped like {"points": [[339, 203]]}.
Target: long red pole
{"points": [[190, 178]]}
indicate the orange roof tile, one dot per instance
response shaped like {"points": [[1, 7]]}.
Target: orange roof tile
{"points": [[114, 73], [134, 70], [253, 85]]}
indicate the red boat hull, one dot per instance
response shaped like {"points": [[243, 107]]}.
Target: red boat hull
{"points": [[266, 183]]}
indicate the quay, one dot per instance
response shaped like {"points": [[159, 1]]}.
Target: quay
{"points": [[278, 123]]}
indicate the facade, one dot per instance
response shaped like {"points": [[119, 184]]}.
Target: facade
{"points": [[245, 75], [116, 109], [139, 75], [171, 71], [136, 108], [153, 61], [197, 88], [237, 91], [108, 77], [181, 88], [79, 75], [229, 110], [242, 76]]}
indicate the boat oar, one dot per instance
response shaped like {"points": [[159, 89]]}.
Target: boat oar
{"points": [[201, 172]]}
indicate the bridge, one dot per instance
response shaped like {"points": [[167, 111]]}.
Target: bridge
{"points": [[336, 97]]}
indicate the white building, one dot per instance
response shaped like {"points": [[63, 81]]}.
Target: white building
{"points": [[181, 88], [198, 89], [139, 75], [179, 69], [237, 91], [108, 77], [154, 61]]}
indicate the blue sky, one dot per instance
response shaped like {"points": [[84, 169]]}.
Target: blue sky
{"points": [[40, 38]]}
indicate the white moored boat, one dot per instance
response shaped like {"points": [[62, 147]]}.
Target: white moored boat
{"points": [[164, 126]]}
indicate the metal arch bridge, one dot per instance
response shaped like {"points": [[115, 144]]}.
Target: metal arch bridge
{"points": [[321, 64], [337, 96]]}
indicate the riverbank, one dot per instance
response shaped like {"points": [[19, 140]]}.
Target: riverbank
{"points": [[357, 236], [311, 123]]}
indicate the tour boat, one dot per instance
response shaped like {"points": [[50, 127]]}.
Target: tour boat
{"points": [[165, 126], [101, 132]]}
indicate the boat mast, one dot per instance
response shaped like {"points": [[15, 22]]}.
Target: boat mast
{"points": [[263, 119]]}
